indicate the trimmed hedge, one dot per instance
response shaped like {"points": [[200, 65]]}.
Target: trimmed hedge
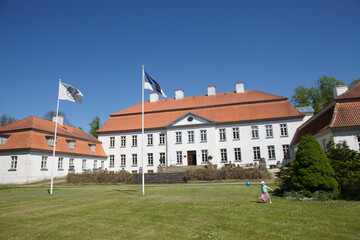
{"points": [[224, 173], [100, 177]]}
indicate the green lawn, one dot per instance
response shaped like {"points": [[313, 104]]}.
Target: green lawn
{"points": [[183, 211]]}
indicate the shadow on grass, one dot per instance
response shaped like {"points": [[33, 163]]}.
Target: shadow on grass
{"points": [[129, 192]]}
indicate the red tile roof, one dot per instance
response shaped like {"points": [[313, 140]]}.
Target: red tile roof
{"points": [[347, 114], [31, 133], [223, 108], [352, 93]]}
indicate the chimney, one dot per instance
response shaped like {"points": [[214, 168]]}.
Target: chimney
{"points": [[338, 90], [179, 94], [211, 91], [239, 87], [154, 97], [60, 119]]}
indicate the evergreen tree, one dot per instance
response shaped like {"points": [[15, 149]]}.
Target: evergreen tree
{"points": [[311, 169], [94, 126]]}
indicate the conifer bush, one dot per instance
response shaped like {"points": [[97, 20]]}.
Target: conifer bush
{"points": [[312, 170]]}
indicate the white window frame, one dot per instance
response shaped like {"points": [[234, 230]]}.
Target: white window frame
{"points": [[222, 134], [43, 162], [254, 132], [3, 140], [237, 154], [162, 156], [269, 131], [112, 142], [122, 160], [283, 130], [178, 139], [50, 141], [83, 164], [60, 163], [179, 157], [13, 164], [134, 159], [71, 144], [134, 141], [236, 133], [150, 159], [162, 139], [92, 148], [71, 162], [257, 153], [112, 161], [203, 135], [223, 154], [95, 164], [191, 136], [150, 139], [123, 141], [271, 152], [286, 151], [204, 155]]}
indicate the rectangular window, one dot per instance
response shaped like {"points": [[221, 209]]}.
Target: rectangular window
{"points": [[162, 158], [286, 151], [150, 171], [92, 148], [271, 152], [102, 164], [236, 134], [204, 155], [95, 164], [3, 140], [71, 162], [123, 141], [256, 151], [134, 159], [112, 142], [222, 134], [112, 161], [123, 160], [83, 164], [203, 136], [178, 137], [269, 131], [283, 130], [179, 157], [50, 141], [60, 163], [223, 153], [134, 140], [43, 162], [71, 144], [150, 159], [190, 136], [162, 139], [237, 153], [254, 132], [150, 139], [13, 164]]}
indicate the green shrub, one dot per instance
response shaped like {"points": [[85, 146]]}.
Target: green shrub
{"points": [[346, 164], [311, 169], [224, 173], [100, 177]]}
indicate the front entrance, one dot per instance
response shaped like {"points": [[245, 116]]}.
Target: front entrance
{"points": [[191, 156]]}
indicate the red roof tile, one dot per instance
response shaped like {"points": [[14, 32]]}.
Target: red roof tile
{"points": [[347, 114], [223, 108], [352, 93]]}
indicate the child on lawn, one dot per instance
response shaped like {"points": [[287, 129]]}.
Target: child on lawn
{"points": [[264, 193]]}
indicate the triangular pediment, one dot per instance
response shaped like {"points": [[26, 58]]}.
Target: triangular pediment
{"points": [[190, 119]]}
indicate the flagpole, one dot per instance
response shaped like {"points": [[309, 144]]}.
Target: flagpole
{"points": [[142, 132], [53, 158]]}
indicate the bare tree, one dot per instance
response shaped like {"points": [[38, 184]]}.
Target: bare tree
{"points": [[50, 114], [6, 119]]}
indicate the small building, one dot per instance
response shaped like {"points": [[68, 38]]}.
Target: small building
{"points": [[339, 120], [26, 151], [238, 127]]}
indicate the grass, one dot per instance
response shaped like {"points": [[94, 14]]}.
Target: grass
{"points": [[183, 211]]}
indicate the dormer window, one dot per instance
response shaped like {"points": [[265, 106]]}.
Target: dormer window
{"points": [[92, 147], [71, 144], [50, 141], [3, 140]]}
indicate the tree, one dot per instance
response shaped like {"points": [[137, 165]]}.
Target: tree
{"points": [[312, 170], [354, 82], [317, 97], [6, 119], [50, 114], [346, 164], [94, 126]]}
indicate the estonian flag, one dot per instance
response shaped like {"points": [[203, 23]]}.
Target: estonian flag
{"points": [[151, 84]]}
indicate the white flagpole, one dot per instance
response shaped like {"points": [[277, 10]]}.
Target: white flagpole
{"points": [[142, 132], [53, 158]]}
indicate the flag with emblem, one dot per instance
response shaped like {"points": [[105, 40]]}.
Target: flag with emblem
{"points": [[68, 92], [152, 85]]}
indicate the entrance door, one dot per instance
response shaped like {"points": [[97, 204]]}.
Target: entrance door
{"points": [[191, 157]]}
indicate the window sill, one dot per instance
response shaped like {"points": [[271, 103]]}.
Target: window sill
{"points": [[150, 165], [178, 143], [12, 170], [191, 142], [122, 165], [109, 147], [254, 138], [236, 139], [149, 145], [179, 164], [134, 165], [224, 162], [122, 146], [269, 137], [238, 161], [203, 141], [222, 140], [161, 144], [134, 146], [60, 169], [43, 169], [284, 136]]}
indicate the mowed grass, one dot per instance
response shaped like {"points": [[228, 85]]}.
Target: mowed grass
{"points": [[182, 211]]}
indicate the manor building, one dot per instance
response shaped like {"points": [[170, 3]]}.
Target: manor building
{"points": [[26, 151], [239, 127]]}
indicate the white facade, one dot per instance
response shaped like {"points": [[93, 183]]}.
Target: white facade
{"points": [[27, 167], [273, 140]]}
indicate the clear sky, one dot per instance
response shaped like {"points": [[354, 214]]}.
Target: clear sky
{"points": [[99, 47]]}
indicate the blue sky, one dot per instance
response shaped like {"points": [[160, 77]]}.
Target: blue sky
{"points": [[100, 46]]}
